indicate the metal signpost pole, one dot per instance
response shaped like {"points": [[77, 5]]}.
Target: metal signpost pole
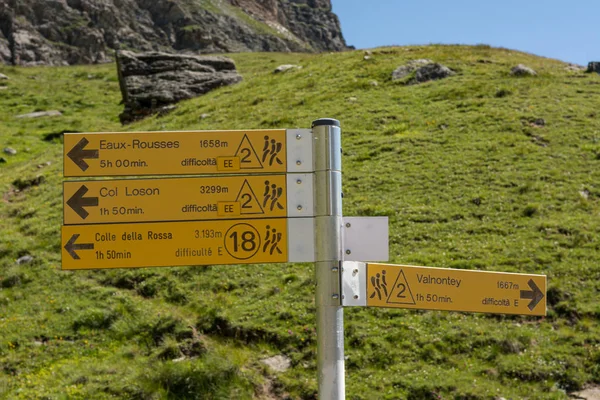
{"points": [[328, 251]]}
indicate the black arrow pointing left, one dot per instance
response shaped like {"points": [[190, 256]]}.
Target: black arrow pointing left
{"points": [[71, 246], [535, 295], [77, 202], [78, 154]]}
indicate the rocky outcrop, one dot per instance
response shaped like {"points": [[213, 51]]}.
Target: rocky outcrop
{"points": [[60, 32], [522, 70], [313, 21], [286, 67], [593, 66], [405, 70], [420, 71], [432, 72], [151, 82]]}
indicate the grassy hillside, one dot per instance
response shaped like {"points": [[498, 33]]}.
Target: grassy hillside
{"points": [[467, 177]]}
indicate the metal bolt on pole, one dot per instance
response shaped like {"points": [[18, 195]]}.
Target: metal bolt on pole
{"points": [[327, 151]]}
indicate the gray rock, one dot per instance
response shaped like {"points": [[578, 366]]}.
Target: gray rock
{"points": [[59, 32], [24, 183], [279, 363], [574, 68], [522, 70], [373, 83], [151, 82], [3, 77], [24, 260], [592, 393], [10, 151], [39, 114], [401, 72], [404, 70], [539, 122], [166, 109], [204, 115], [593, 66], [3, 88], [432, 72], [286, 67]]}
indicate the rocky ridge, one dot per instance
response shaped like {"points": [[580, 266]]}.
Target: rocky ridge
{"points": [[63, 32]]}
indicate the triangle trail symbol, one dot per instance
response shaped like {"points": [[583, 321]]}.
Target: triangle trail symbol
{"points": [[401, 293], [249, 203], [248, 157]]}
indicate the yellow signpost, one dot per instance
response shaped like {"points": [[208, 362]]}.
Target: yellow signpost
{"points": [[245, 218], [175, 153], [425, 288], [178, 199], [174, 243]]}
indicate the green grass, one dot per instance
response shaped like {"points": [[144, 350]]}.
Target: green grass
{"points": [[466, 178]]}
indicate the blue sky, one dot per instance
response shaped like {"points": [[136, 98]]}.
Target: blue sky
{"points": [[566, 30]]}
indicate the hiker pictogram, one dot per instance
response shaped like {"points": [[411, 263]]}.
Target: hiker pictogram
{"points": [[272, 240], [379, 283], [249, 203], [401, 293], [272, 195], [271, 151], [248, 157]]}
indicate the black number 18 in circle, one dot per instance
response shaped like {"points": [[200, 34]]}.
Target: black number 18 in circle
{"points": [[242, 241]]}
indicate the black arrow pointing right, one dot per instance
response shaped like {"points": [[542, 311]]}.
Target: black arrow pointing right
{"points": [[535, 295], [78, 154], [77, 202], [71, 246]]}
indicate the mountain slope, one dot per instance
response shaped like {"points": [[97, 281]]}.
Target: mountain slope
{"points": [[467, 176], [60, 32]]}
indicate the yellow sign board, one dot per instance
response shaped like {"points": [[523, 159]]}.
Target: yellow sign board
{"points": [[174, 243], [174, 153], [424, 288], [175, 199]]}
